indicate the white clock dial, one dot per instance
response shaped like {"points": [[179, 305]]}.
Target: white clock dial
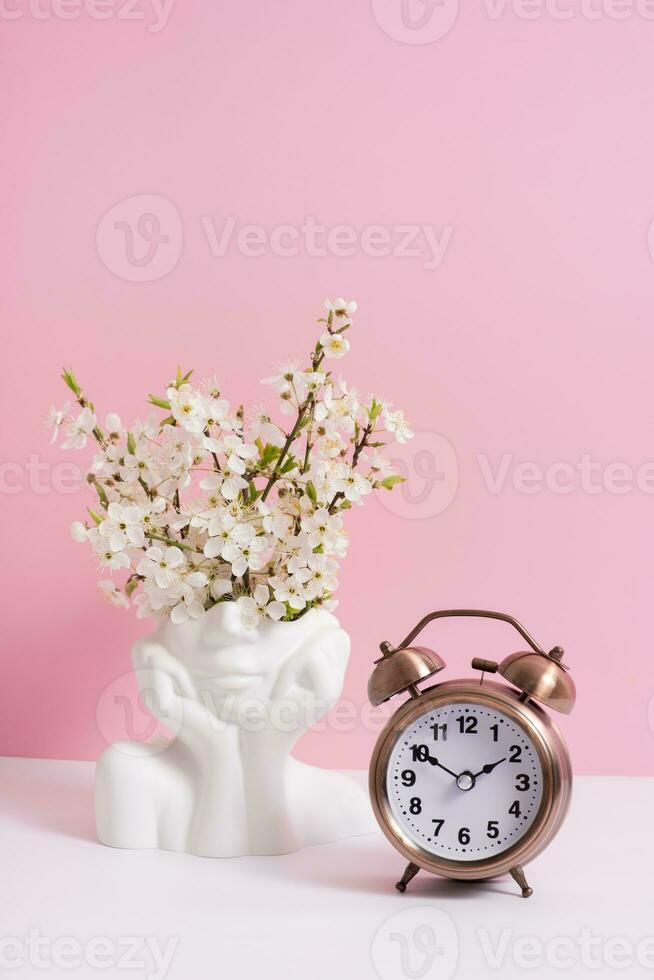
{"points": [[464, 781]]}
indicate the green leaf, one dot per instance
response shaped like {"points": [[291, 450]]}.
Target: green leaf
{"points": [[159, 402], [131, 585], [391, 481], [97, 518], [289, 464], [131, 444], [70, 380], [311, 493], [269, 454]]}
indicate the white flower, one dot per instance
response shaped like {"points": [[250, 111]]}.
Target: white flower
{"points": [[211, 386], [290, 590], [319, 525], [283, 376], [219, 587], [153, 515], [112, 422], [350, 483], [322, 576], [235, 451], [185, 407], [261, 427], [308, 383], [139, 465], [78, 532], [396, 423], [334, 344], [277, 523], [77, 430], [161, 566], [341, 308], [113, 560], [55, 418], [122, 526], [245, 551], [379, 465], [108, 591], [254, 607]]}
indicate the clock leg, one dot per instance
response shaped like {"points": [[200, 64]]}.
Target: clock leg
{"points": [[518, 876], [411, 871]]}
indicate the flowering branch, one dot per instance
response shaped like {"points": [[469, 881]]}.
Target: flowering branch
{"points": [[188, 512]]}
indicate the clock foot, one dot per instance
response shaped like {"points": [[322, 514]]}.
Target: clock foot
{"points": [[518, 876], [411, 871]]}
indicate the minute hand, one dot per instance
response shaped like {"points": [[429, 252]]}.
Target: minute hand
{"points": [[489, 767]]}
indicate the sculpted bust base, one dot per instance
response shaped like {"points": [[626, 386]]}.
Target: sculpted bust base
{"points": [[236, 700]]}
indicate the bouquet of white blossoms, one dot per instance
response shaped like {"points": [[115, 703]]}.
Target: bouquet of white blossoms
{"points": [[204, 506]]}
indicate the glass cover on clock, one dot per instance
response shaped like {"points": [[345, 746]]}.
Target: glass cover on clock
{"points": [[464, 781]]}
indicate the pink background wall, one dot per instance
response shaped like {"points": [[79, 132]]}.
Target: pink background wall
{"points": [[531, 342]]}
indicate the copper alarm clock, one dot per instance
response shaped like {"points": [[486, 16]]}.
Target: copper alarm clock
{"points": [[471, 779]]}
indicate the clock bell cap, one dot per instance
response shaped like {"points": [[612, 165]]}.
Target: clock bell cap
{"points": [[398, 670], [543, 677]]}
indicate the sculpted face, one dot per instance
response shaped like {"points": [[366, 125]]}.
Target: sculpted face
{"points": [[229, 665]]}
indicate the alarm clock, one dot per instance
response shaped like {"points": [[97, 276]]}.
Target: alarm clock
{"points": [[471, 779]]}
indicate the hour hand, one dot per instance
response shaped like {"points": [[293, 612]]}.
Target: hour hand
{"points": [[489, 767], [434, 762]]}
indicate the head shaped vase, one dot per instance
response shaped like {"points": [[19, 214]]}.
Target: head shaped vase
{"points": [[236, 700]]}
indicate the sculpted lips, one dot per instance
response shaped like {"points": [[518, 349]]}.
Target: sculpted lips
{"points": [[231, 671]]}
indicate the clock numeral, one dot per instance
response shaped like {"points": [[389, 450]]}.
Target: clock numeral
{"points": [[420, 753], [464, 835], [514, 809], [408, 777], [415, 805], [440, 732], [522, 782], [492, 829], [496, 732], [467, 724], [516, 754], [437, 826]]}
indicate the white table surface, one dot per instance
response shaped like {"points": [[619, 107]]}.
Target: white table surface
{"points": [[84, 910]]}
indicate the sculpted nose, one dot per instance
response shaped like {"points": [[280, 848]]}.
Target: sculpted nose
{"points": [[231, 619]]}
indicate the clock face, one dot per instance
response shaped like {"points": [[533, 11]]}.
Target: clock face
{"points": [[464, 781]]}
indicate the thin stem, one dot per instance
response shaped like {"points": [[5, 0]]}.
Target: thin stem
{"points": [[315, 364], [173, 543], [358, 449]]}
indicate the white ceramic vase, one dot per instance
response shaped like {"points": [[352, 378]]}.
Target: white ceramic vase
{"points": [[236, 700]]}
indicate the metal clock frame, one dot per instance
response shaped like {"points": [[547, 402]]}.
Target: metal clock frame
{"points": [[556, 769]]}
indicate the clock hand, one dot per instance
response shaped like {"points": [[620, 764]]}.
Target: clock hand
{"points": [[434, 762], [489, 767]]}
